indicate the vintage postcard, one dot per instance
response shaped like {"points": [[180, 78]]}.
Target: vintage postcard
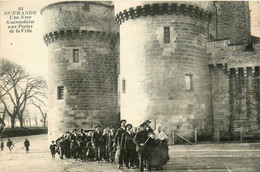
{"points": [[129, 86]]}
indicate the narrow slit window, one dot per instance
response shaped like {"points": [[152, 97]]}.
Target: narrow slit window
{"points": [[86, 7], [123, 85], [167, 35], [60, 91], [188, 83], [75, 55]]}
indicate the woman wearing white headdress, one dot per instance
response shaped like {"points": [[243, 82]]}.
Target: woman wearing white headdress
{"points": [[161, 148], [159, 134]]}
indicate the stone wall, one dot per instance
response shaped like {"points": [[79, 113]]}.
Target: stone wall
{"points": [[235, 91], [220, 99], [154, 72], [90, 85], [230, 20], [148, 82], [245, 102], [88, 15]]}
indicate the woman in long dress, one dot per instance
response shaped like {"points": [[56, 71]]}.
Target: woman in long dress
{"points": [[161, 146]]}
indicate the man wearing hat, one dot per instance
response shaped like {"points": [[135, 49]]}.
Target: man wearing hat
{"points": [[118, 138], [96, 140], [141, 140], [128, 146], [148, 128]]}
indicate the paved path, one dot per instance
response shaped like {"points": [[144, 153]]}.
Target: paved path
{"points": [[236, 157]]}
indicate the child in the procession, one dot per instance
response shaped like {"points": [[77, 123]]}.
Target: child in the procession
{"points": [[53, 149]]}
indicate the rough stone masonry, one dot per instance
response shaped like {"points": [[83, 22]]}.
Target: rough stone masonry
{"points": [[188, 65]]}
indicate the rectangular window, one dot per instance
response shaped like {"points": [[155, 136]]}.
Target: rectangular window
{"points": [[166, 34], [188, 85], [75, 55], [86, 7], [60, 91], [123, 86]]}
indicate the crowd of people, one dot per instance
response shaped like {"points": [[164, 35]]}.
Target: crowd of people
{"points": [[135, 146]]}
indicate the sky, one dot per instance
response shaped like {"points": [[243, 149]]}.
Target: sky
{"points": [[29, 50], [26, 49]]}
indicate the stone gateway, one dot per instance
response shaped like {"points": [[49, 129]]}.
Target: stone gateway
{"points": [[192, 66]]}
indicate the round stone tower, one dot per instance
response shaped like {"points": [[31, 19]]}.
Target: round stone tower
{"points": [[163, 65], [82, 49]]}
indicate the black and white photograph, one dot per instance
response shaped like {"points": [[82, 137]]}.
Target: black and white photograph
{"points": [[129, 86]]}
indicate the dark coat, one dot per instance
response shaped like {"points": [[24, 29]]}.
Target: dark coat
{"points": [[26, 143], [96, 138], [74, 146], [53, 148], [104, 140], [139, 138], [127, 143], [118, 136], [88, 140], [150, 130], [82, 140], [61, 141], [9, 143], [73, 137], [110, 140]]}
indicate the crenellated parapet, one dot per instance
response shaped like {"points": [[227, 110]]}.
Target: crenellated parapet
{"points": [[162, 8], [233, 58], [80, 34], [78, 16], [242, 70]]}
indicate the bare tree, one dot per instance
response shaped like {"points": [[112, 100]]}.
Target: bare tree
{"points": [[3, 112], [11, 74], [27, 118], [30, 121], [43, 112], [4, 68], [16, 88], [36, 120]]}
